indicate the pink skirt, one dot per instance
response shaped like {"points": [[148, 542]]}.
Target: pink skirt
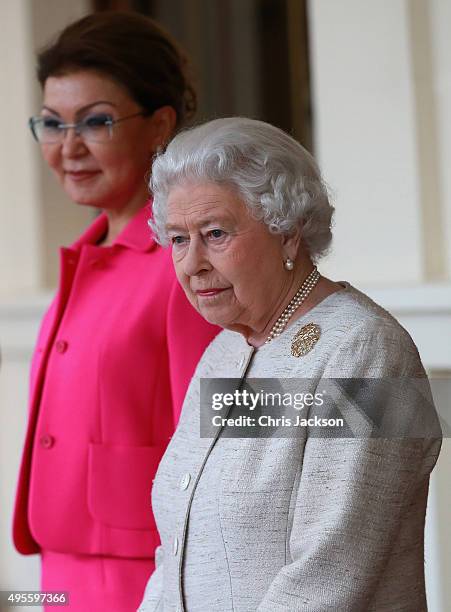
{"points": [[95, 584]]}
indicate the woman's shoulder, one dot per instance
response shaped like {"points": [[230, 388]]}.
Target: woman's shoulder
{"points": [[352, 313], [358, 337]]}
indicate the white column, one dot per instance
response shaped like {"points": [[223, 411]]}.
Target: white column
{"points": [[382, 121], [440, 19], [365, 138], [20, 249]]}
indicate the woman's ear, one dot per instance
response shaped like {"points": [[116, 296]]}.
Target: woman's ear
{"points": [[291, 243], [161, 126]]}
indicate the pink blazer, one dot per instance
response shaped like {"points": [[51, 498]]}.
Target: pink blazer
{"points": [[114, 356]]}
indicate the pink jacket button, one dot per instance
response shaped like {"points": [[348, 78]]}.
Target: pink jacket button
{"points": [[46, 441], [61, 346]]}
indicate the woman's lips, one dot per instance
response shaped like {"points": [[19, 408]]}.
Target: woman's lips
{"points": [[211, 292], [81, 175]]}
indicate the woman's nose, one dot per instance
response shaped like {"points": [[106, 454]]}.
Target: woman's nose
{"points": [[196, 259], [72, 143]]}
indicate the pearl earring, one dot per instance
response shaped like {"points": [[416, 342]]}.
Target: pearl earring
{"points": [[289, 265]]}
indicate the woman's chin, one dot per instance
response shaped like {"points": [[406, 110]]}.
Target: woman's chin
{"points": [[84, 194], [213, 316], [218, 310], [85, 198]]}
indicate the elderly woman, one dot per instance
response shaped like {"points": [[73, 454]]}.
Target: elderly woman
{"points": [[278, 523]]}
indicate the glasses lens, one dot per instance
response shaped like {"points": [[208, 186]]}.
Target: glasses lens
{"points": [[93, 128], [96, 128], [47, 129]]}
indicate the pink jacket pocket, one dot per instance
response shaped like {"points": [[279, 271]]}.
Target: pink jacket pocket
{"points": [[119, 484]]}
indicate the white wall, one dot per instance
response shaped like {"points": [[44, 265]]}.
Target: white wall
{"points": [[18, 329], [35, 218], [382, 112], [374, 120], [440, 18], [19, 225]]}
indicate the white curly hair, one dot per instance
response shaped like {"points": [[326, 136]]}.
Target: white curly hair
{"points": [[275, 176]]}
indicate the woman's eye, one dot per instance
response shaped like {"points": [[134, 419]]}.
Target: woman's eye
{"points": [[97, 121], [215, 234], [178, 240], [51, 123]]}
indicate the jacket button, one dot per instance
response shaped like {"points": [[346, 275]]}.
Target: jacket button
{"points": [[184, 481], [61, 346], [46, 441], [175, 546]]}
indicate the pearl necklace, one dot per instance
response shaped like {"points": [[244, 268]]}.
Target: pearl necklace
{"points": [[300, 296]]}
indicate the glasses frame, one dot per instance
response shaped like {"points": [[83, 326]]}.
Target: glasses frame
{"points": [[78, 126]]}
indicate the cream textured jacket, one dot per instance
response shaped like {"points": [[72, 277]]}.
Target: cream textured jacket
{"points": [[302, 523]]}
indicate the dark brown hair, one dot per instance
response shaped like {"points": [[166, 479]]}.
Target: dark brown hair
{"points": [[132, 50]]}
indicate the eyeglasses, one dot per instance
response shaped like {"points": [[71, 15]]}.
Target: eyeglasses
{"points": [[97, 127]]}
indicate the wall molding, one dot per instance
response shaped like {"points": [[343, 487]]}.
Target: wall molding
{"points": [[425, 311]]}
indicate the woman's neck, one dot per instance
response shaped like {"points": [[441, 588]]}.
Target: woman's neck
{"points": [[119, 218], [323, 289]]}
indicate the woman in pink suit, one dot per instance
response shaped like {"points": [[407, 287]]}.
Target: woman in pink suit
{"points": [[120, 342]]}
